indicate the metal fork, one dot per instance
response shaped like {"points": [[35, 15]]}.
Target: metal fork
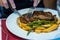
{"points": [[30, 12], [32, 9]]}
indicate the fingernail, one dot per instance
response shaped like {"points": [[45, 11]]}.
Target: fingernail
{"points": [[13, 6]]}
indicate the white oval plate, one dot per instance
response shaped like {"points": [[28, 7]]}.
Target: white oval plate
{"points": [[12, 26]]}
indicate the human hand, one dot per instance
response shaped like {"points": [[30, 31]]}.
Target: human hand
{"points": [[36, 2], [4, 3]]}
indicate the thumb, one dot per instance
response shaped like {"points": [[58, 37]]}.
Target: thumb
{"points": [[36, 2]]}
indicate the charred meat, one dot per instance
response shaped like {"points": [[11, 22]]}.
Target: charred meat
{"points": [[38, 15]]}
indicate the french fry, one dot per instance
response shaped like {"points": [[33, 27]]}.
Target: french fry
{"points": [[53, 27], [23, 26], [58, 22], [39, 29]]}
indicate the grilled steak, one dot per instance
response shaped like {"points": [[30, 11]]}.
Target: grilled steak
{"points": [[38, 15], [23, 20], [43, 15]]}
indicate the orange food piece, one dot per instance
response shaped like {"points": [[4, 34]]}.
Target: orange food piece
{"points": [[53, 27]]}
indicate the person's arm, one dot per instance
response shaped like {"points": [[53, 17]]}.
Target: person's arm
{"points": [[50, 4]]}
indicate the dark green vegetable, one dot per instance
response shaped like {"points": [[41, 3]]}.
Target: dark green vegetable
{"points": [[39, 23], [29, 32]]}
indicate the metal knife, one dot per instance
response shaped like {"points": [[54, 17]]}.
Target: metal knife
{"points": [[14, 10]]}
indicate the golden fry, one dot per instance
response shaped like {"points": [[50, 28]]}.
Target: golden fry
{"points": [[38, 29], [53, 27], [58, 22]]}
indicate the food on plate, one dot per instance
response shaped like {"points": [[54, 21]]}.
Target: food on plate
{"points": [[39, 22]]}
